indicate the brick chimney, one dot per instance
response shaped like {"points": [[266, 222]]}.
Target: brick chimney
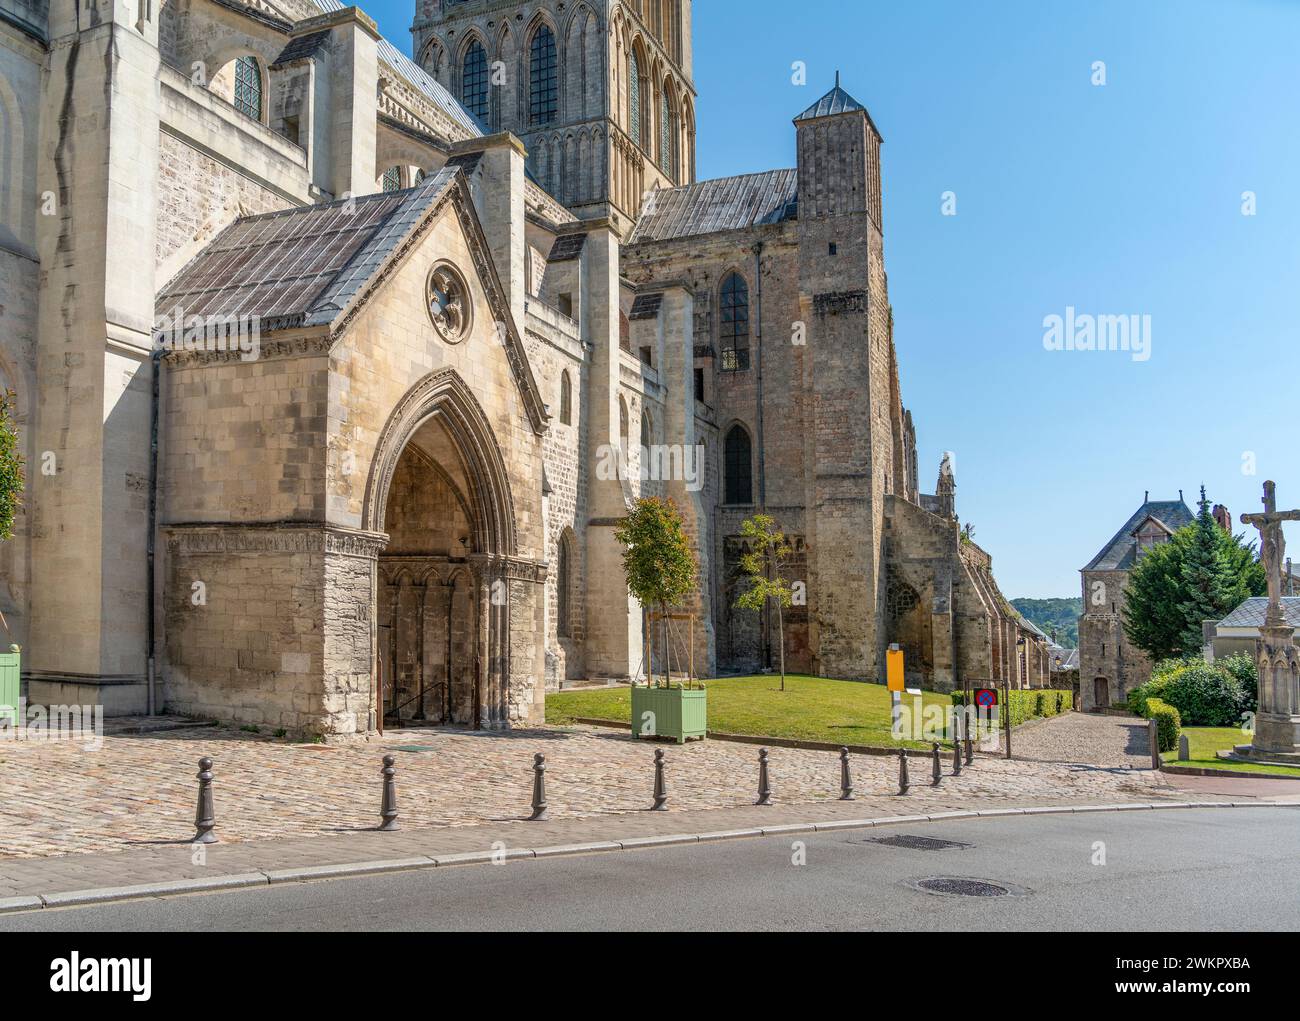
{"points": [[1223, 518]]}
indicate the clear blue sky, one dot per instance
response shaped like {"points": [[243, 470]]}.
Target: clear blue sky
{"points": [[1117, 199]]}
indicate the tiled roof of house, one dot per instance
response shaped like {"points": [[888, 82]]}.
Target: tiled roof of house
{"points": [[726, 203], [301, 266], [1121, 552], [1251, 612], [1069, 658]]}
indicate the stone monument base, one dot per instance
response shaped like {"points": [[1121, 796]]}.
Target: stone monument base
{"points": [[1247, 753], [1276, 740]]}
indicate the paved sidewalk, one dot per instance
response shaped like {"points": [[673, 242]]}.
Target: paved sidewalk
{"points": [[285, 807], [60, 798], [1098, 740]]}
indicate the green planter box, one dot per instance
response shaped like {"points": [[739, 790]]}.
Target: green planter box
{"points": [[9, 681], [678, 713]]}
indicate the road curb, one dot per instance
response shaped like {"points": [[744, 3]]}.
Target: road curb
{"points": [[274, 877], [106, 894]]}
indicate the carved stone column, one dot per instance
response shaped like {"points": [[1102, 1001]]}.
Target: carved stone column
{"points": [[421, 590]]}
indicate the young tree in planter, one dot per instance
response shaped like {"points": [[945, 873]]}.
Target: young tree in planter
{"points": [[11, 467], [661, 567], [767, 552], [11, 474]]}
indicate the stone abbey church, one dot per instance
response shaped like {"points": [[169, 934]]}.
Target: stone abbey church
{"points": [[320, 354]]}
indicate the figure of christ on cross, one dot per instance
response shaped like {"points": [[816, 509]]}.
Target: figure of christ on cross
{"points": [[1272, 548]]}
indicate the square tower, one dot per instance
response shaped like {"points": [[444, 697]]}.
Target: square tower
{"points": [[601, 94], [844, 304]]}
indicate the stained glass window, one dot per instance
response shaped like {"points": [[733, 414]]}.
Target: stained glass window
{"points": [[544, 78], [733, 332], [474, 81], [248, 87], [393, 179]]}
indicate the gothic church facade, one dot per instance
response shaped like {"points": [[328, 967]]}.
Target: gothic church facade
{"points": [[462, 281]]}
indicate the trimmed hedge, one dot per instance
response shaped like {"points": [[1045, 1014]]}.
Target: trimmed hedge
{"points": [[1168, 723], [1024, 704]]}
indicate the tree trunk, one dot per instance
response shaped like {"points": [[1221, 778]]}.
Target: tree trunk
{"points": [[780, 637], [668, 669]]}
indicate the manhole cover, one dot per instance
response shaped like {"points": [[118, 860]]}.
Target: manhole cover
{"points": [[915, 843], [962, 887]]}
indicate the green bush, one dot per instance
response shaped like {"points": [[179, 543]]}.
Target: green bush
{"points": [[1242, 667], [1027, 703], [1205, 694], [1168, 723]]}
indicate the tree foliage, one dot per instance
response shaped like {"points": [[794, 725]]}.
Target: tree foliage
{"points": [[765, 555], [657, 557], [1202, 573], [12, 478]]}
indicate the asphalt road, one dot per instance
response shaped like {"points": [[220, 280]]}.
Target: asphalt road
{"points": [[1225, 869]]}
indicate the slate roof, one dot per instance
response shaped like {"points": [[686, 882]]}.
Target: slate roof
{"points": [[1251, 612], [1069, 658], [1030, 626], [834, 102], [300, 267], [567, 247], [726, 203], [1121, 552], [304, 46], [416, 75], [646, 306]]}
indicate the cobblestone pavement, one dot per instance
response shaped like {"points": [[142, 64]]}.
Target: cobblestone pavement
{"points": [[1091, 738], [136, 791]]}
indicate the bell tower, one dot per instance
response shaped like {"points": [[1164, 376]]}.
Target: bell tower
{"points": [[601, 94]]}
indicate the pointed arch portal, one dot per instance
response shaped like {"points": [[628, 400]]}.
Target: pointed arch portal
{"points": [[438, 489]]}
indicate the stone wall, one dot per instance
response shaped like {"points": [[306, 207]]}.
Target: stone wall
{"points": [[198, 196]]}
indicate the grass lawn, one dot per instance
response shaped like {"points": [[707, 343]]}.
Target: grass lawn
{"points": [[810, 708], [1203, 742]]}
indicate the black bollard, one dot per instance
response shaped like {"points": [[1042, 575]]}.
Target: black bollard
{"points": [[902, 771], [539, 789], [846, 781], [970, 751], [204, 818], [388, 804], [764, 788], [956, 756], [936, 773], [661, 789]]}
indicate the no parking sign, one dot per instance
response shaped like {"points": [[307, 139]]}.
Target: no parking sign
{"points": [[986, 698]]}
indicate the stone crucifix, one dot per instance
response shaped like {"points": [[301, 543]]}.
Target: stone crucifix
{"points": [[1272, 548]]}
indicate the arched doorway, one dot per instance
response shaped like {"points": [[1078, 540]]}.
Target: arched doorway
{"points": [[1101, 693], [438, 489]]}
